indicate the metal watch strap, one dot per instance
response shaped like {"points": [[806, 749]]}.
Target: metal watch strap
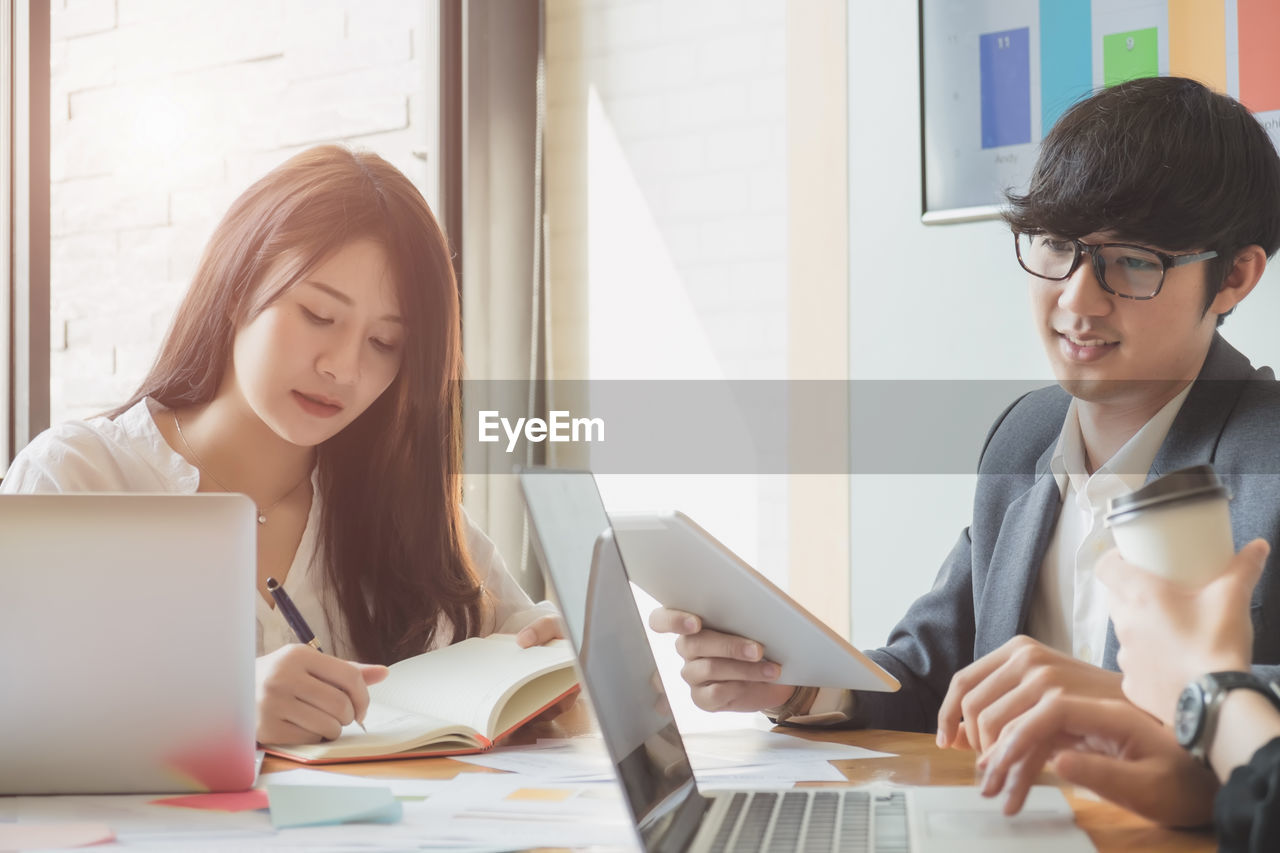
{"points": [[1216, 686], [1230, 680]]}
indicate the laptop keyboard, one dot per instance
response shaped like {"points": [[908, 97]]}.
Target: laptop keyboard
{"points": [[813, 821]]}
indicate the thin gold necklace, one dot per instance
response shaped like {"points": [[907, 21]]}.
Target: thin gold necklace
{"points": [[200, 466]]}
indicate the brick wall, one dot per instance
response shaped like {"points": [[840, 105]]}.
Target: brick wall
{"points": [[163, 111]]}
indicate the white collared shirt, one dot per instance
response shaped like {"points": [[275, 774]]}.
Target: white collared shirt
{"points": [[1069, 606]]}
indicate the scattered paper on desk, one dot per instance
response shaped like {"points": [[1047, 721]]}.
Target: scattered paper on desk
{"points": [[768, 775], [515, 792], [132, 817], [240, 801], [33, 836], [577, 759], [733, 748], [541, 795], [754, 747], [323, 805], [743, 757], [515, 812], [399, 787]]}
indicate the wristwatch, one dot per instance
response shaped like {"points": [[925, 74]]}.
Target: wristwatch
{"points": [[802, 708], [1195, 720], [797, 705]]}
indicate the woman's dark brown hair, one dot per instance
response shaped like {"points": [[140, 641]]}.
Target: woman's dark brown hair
{"points": [[392, 535]]}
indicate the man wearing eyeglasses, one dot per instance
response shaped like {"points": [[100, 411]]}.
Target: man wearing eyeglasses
{"points": [[1151, 213]]}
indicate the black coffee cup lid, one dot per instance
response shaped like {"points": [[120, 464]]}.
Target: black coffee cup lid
{"points": [[1194, 483]]}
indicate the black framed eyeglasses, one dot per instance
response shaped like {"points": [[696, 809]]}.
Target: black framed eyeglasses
{"points": [[1123, 269]]}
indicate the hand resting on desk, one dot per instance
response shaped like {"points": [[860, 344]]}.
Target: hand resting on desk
{"points": [[724, 672], [1169, 635], [996, 689], [1108, 746]]}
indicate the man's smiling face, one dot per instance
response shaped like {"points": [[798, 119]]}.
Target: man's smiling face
{"points": [[1110, 350]]}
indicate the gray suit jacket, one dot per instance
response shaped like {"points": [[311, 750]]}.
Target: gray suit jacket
{"points": [[981, 598]]}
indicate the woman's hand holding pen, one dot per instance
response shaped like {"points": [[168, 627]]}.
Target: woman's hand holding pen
{"points": [[305, 696]]}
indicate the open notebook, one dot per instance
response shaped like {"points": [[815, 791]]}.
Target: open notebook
{"points": [[462, 698]]}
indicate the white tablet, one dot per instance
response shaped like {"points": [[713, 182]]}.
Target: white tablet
{"points": [[686, 568]]}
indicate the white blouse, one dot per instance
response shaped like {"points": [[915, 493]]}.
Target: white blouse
{"points": [[129, 454]]}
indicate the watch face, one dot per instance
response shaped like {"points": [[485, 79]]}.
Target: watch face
{"points": [[1188, 715]]}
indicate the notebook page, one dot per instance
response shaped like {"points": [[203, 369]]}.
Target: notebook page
{"points": [[465, 681]]}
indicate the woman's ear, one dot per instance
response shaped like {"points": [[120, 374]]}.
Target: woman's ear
{"points": [[1246, 268]]}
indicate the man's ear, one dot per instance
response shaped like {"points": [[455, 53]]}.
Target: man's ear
{"points": [[1246, 268]]}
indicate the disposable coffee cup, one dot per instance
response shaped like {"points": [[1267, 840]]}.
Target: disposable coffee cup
{"points": [[1177, 526]]}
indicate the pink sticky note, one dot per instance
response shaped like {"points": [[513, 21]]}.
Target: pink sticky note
{"points": [[25, 836], [240, 801]]}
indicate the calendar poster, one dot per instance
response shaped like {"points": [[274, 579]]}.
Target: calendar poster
{"points": [[997, 74]]}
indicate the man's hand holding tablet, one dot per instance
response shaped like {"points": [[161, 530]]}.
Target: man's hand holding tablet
{"points": [[748, 646], [725, 672]]}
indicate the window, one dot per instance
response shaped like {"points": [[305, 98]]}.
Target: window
{"points": [[24, 184]]}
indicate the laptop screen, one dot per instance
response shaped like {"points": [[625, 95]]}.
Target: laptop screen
{"points": [[574, 543]]}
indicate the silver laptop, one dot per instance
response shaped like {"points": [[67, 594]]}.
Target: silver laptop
{"points": [[127, 642], [573, 542]]}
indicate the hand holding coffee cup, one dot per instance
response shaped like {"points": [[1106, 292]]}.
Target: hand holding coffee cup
{"points": [[1170, 633], [1177, 526]]}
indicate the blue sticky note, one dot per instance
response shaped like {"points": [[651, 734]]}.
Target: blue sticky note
{"points": [[324, 805], [1004, 60]]}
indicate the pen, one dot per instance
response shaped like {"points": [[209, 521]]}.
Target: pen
{"points": [[299, 625], [291, 615]]}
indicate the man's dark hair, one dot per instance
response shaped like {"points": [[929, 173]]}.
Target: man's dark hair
{"points": [[1162, 161]]}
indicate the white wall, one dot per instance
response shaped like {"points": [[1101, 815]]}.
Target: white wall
{"points": [[667, 196], [945, 302], [666, 173]]}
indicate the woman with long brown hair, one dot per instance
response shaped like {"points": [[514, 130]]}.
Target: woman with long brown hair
{"points": [[314, 367]]}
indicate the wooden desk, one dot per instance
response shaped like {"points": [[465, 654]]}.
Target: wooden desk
{"points": [[917, 761]]}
